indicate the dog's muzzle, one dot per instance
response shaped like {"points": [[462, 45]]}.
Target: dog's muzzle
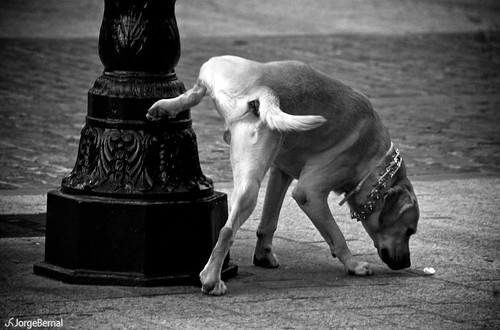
{"points": [[395, 261]]}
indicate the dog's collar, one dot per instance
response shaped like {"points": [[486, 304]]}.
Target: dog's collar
{"points": [[393, 162]]}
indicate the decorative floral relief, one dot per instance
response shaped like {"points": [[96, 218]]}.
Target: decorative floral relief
{"points": [[120, 158], [129, 31], [131, 162], [139, 36]]}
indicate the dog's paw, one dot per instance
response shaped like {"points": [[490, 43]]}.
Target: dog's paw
{"points": [[162, 109], [153, 113], [268, 261], [212, 285], [217, 289], [360, 268]]}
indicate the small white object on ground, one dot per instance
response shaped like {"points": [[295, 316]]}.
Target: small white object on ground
{"points": [[429, 270]]}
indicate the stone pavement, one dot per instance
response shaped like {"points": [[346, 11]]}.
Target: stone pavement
{"points": [[432, 71], [438, 94], [457, 235]]}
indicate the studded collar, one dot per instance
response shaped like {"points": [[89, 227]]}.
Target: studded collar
{"points": [[393, 162]]}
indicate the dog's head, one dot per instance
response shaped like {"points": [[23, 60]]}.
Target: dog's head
{"points": [[392, 225]]}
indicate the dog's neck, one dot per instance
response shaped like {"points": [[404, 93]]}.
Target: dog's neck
{"points": [[365, 197]]}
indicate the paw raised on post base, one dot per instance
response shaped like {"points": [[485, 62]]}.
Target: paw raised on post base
{"points": [[152, 114], [162, 109], [155, 112]]}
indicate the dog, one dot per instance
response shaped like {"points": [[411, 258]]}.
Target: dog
{"points": [[298, 123]]}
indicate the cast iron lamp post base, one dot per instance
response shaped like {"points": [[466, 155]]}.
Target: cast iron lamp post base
{"points": [[95, 240], [136, 209]]}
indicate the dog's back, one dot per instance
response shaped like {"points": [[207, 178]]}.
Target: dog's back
{"points": [[301, 90], [291, 97]]}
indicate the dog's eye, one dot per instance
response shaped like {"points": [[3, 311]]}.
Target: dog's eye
{"points": [[410, 232]]}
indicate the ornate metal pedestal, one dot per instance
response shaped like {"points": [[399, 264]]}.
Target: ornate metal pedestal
{"points": [[136, 209]]}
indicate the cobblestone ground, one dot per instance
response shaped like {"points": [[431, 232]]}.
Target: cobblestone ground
{"points": [[439, 95]]}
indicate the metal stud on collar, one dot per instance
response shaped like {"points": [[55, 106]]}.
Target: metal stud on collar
{"points": [[375, 194]]}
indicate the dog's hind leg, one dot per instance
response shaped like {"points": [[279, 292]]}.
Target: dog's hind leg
{"points": [[169, 108], [253, 148], [314, 204], [277, 186]]}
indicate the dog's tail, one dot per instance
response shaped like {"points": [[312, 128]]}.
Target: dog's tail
{"points": [[266, 102], [169, 108], [270, 113]]}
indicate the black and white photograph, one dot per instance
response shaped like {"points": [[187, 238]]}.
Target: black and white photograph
{"points": [[218, 164]]}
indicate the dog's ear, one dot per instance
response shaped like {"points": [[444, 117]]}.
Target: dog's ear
{"points": [[398, 200]]}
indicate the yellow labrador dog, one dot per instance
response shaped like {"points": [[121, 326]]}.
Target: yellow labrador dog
{"points": [[299, 123]]}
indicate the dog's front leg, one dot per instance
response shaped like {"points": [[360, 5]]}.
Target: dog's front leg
{"points": [[315, 205], [277, 186]]}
